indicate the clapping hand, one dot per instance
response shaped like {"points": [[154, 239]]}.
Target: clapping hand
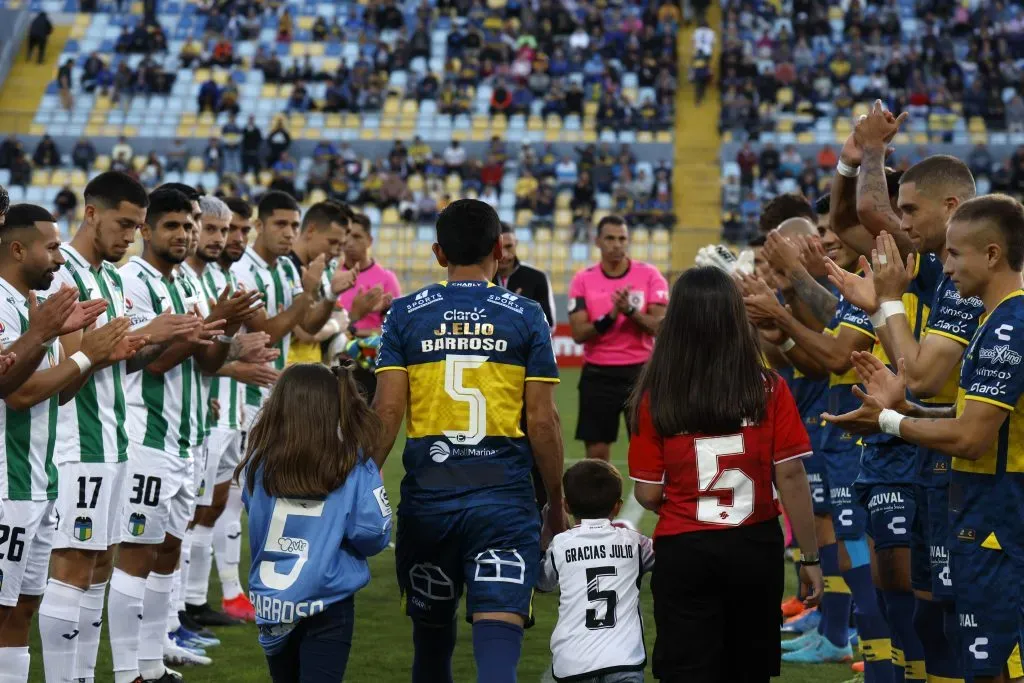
{"points": [[859, 291], [83, 315], [891, 275]]}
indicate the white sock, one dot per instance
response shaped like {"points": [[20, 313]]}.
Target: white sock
{"points": [[153, 631], [201, 561], [227, 544], [90, 625], [173, 622], [184, 562], [124, 621], [14, 662], [58, 630]]}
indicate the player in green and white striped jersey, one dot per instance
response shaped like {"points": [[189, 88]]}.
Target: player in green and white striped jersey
{"points": [[324, 231], [162, 432], [92, 432], [291, 299], [29, 257]]}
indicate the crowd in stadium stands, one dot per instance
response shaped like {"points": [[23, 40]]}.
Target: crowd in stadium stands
{"points": [[811, 60], [414, 179], [757, 175], [541, 58]]}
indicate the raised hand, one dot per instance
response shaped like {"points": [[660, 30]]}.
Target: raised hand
{"points": [[6, 361], [859, 291], [168, 327], [47, 319], [892, 276], [233, 309], [763, 306], [343, 280], [878, 128], [99, 343], [205, 332], [312, 274], [83, 315], [128, 347], [812, 255], [366, 301], [782, 254], [257, 374], [880, 382]]}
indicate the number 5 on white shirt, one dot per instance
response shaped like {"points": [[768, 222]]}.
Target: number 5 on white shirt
{"points": [[277, 542]]}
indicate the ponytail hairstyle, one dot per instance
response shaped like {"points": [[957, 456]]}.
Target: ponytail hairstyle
{"points": [[315, 428]]}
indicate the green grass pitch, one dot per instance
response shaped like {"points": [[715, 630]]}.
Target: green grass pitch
{"points": [[382, 650]]}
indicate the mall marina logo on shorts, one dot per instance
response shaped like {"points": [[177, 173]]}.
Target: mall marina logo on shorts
{"points": [[137, 524], [83, 529]]}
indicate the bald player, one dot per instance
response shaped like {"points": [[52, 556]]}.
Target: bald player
{"points": [[929, 194]]}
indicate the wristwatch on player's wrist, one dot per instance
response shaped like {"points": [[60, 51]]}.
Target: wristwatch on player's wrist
{"points": [[809, 559]]}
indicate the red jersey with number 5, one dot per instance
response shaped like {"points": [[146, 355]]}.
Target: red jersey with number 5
{"points": [[719, 481]]}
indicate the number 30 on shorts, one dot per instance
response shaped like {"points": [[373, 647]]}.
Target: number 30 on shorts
{"points": [[145, 491]]}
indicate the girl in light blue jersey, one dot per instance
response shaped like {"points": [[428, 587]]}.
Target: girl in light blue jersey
{"points": [[317, 509]]}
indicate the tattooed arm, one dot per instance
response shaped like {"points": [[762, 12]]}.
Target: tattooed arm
{"points": [[818, 301], [874, 209]]}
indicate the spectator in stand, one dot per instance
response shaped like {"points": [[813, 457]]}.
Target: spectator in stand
{"points": [[252, 145], [566, 173], [209, 96], [21, 170], [747, 159], [791, 162], [284, 175], [83, 155], [827, 159], [501, 99], [279, 140], [38, 36], [489, 196], [65, 84], [980, 161], [122, 149], [492, 172], [455, 157], [152, 172], [213, 156], [1015, 115], [46, 155], [526, 188]]}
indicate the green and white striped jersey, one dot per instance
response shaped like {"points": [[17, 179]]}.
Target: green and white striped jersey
{"points": [[160, 407], [27, 471], [227, 391], [279, 284], [193, 291], [93, 425]]}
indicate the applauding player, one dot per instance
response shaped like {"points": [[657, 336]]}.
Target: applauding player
{"points": [[466, 357], [985, 247]]}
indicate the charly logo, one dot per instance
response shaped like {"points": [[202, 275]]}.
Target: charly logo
{"points": [[440, 451]]}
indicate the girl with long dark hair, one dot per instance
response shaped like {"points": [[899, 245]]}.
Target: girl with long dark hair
{"points": [[716, 440], [317, 509]]}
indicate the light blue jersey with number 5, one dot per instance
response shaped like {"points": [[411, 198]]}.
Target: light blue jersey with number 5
{"points": [[310, 553]]}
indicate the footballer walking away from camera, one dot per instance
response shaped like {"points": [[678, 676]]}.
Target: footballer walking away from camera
{"points": [[985, 256], [468, 518], [28, 488], [615, 308]]}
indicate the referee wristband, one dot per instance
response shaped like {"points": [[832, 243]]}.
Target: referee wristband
{"points": [[82, 361], [889, 421], [787, 345], [846, 170], [604, 323]]}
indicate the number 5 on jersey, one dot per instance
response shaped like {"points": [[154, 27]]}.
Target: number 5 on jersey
{"points": [[710, 478]]}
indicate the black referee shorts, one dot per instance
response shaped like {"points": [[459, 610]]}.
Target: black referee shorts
{"points": [[604, 391], [716, 605]]}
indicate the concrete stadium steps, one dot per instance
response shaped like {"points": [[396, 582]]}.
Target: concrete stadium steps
{"points": [[696, 173], [27, 82]]}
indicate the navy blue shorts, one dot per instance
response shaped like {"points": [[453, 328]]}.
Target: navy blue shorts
{"points": [[986, 584], [892, 510], [493, 551], [849, 519], [937, 518], [817, 479]]}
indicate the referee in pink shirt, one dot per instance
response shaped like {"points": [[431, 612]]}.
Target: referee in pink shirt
{"points": [[615, 308]]}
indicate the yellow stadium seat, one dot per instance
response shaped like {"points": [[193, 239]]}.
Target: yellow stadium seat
{"points": [[481, 122], [979, 138], [460, 134], [102, 103], [188, 117], [110, 131], [392, 105], [563, 235], [195, 165], [860, 109], [36, 128], [305, 23], [453, 185], [590, 136], [976, 125], [269, 91], [296, 121], [552, 134], [387, 131], [784, 125], [784, 96], [138, 163], [330, 64], [78, 178], [310, 134], [333, 121], [563, 218], [410, 107], [639, 236], [523, 217], [415, 182], [201, 75], [523, 251], [843, 125], [92, 130], [563, 200], [408, 235], [298, 49], [595, 253], [542, 236], [316, 195], [207, 119], [499, 123], [639, 251], [663, 137], [368, 134], [535, 123], [571, 135], [553, 121], [900, 139], [644, 136], [560, 252], [727, 136], [919, 138], [353, 121], [660, 237], [390, 216], [388, 233], [480, 135], [40, 176], [382, 248], [265, 178], [590, 109]]}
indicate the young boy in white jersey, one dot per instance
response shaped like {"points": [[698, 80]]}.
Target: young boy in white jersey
{"points": [[597, 566]]}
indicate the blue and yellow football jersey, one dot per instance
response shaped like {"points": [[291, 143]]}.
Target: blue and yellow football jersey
{"points": [[986, 495], [956, 318], [839, 397], [469, 348]]}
